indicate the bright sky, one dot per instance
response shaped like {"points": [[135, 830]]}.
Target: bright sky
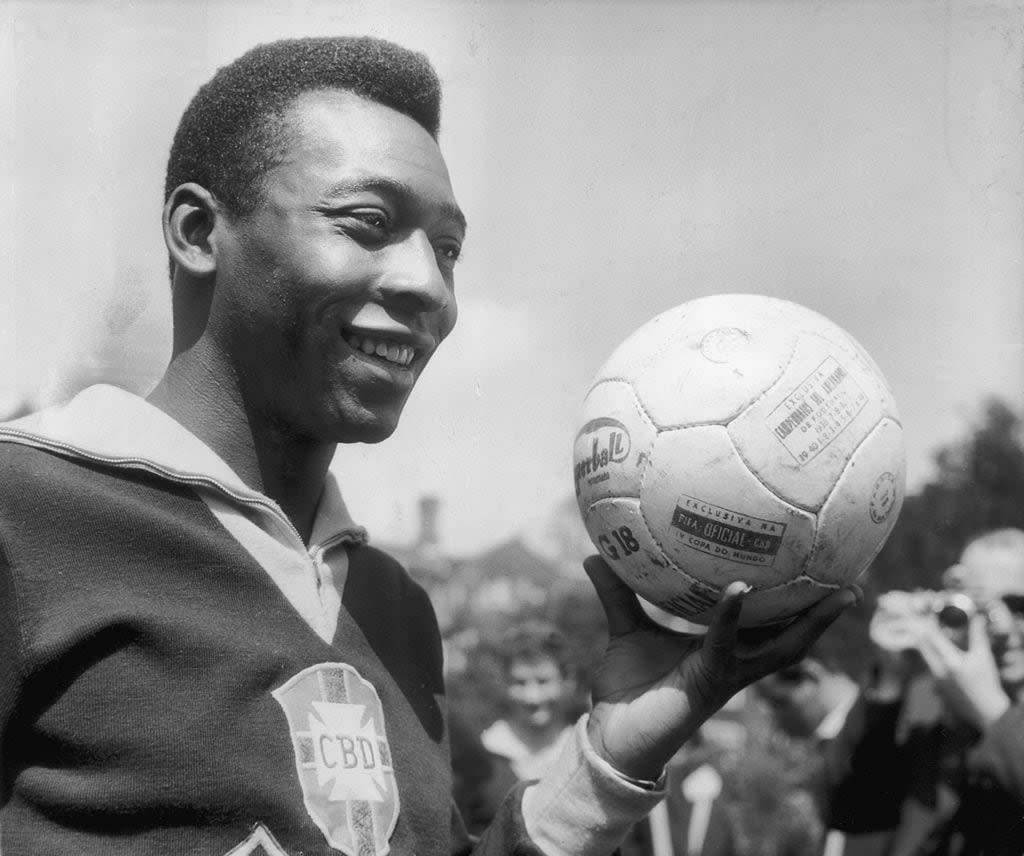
{"points": [[862, 158]]}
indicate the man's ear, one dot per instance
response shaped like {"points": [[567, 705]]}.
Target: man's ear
{"points": [[190, 215], [815, 670]]}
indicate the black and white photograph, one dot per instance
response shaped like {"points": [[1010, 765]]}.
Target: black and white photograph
{"points": [[562, 428]]}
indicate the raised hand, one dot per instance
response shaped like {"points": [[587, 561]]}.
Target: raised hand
{"points": [[968, 681], [654, 688]]}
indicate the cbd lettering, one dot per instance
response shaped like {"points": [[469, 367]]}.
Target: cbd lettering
{"points": [[346, 752]]}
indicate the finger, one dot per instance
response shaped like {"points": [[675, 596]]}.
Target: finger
{"points": [[621, 607], [978, 633], [720, 640], [793, 639], [938, 651]]}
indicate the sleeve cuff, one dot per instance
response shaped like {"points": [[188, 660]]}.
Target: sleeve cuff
{"points": [[585, 807]]}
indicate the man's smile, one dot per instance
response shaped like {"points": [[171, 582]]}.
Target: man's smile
{"points": [[392, 352]]}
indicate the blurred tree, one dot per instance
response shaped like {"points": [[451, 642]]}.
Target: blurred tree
{"points": [[979, 485]]}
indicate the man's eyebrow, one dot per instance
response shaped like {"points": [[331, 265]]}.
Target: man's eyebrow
{"points": [[394, 188]]}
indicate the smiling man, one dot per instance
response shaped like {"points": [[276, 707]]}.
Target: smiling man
{"points": [[199, 651], [539, 680], [933, 749]]}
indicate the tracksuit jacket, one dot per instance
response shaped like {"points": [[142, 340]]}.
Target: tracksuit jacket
{"points": [[181, 674]]}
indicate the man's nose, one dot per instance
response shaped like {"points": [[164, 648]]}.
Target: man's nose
{"points": [[953, 577], [413, 276]]}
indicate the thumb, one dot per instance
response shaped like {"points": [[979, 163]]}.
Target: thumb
{"points": [[720, 639], [621, 607]]}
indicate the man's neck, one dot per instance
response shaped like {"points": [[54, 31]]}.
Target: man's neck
{"points": [[537, 739], [287, 469]]}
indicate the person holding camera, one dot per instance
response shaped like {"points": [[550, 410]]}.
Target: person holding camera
{"points": [[934, 746]]}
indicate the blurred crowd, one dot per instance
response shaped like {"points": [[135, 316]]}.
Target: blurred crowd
{"points": [[900, 734]]}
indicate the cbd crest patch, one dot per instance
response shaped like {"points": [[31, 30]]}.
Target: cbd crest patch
{"points": [[342, 757]]}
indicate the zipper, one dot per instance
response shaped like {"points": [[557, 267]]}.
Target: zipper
{"points": [[317, 552]]}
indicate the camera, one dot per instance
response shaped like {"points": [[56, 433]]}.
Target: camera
{"points": [[954, 610], [901, 617]]}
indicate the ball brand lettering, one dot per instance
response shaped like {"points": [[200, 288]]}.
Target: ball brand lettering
{"points": [[733, 537], [883, 497], [834, 379], [817, 411], [600, 443], [726, 534], [708, 510], [788, 425], [699, 598]]}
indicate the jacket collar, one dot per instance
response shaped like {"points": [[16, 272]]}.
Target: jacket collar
{"points": [[109, 425]]}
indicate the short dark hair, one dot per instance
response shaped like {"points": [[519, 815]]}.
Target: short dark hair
{"points": [[533, 639], [1008, 538], [231, 133]]}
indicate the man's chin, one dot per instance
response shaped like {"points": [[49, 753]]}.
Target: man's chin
{"points": [[1011, 671], [540, 723], [1013, 680], [364, 425], [369, 434]]}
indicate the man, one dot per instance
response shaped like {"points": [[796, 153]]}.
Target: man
{"points": [[936, 751], [811, 701], [539, 680], [200, 652]]}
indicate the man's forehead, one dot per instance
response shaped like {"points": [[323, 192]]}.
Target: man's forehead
{"points": [[354, 144], [349, 125], [997, 569]]}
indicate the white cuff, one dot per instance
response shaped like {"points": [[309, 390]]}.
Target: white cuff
{"points": [[584, 807]]}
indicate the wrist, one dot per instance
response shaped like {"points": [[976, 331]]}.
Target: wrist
{"points": [[991, 709], [639, 766], [642, 773], [583, 806]]}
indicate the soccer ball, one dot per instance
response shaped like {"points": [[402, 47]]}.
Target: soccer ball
{"points": [[739, 437]]}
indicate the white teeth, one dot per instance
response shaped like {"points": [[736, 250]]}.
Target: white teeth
{"points": [[399, 354]]}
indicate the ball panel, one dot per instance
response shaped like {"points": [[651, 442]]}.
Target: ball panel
{"points": [[862, 510], [713, 518], [800, 435], [646, 346], [705, 361], [612, 446], [617, 528]]}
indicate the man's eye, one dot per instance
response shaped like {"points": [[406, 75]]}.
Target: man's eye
{"points": [[449, 252], [366, 225], [374, 219]]}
